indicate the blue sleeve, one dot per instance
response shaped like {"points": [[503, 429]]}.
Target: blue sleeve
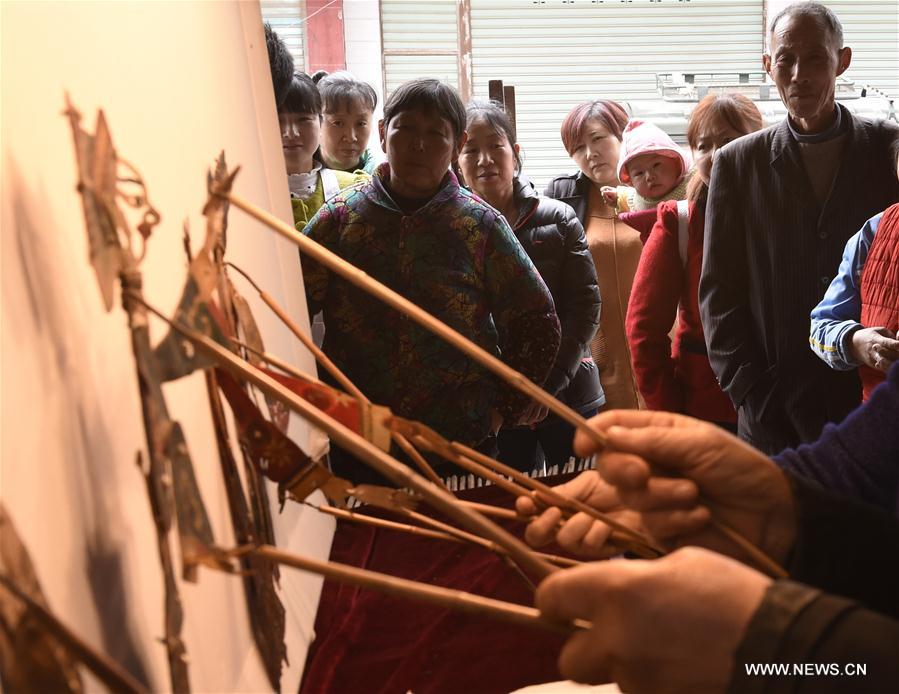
{"points": [[836, 318], [858, 457]]}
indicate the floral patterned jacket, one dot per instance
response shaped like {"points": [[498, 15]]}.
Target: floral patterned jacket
{"points": [[458, 259]]}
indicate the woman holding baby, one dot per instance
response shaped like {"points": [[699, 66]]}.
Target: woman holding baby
{"points": [[675, 375]]}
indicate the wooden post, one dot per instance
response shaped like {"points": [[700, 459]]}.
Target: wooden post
{"points": [[495, 90], [464, 40], [509, 105]]}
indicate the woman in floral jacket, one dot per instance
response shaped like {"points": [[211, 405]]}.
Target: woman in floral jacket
{"points": [[416, 230]]}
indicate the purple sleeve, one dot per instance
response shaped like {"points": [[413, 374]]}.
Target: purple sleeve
{"points": [[858, 457], [802, 641]]}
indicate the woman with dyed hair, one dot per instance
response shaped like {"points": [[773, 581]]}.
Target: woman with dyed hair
{"points": [[678, 377], [592, 133], [550, 232]]}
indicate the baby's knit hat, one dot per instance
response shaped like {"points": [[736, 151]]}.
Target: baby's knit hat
{"points": [[642, 137]]}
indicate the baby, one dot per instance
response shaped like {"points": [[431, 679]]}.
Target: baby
{"points": [[653, 167]]}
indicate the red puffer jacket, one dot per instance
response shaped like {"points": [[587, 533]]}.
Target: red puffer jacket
{"points": [[675, 378]]}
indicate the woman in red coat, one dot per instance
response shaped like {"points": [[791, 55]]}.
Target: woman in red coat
{"points": [[677, 377]]}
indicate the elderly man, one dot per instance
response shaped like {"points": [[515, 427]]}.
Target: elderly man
{"points": [[782, 204]]}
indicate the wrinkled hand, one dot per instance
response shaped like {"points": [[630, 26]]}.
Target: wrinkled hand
{"points": [[875, 347], [580, 534], [678, 471], [609, 194], [534, 414], [672, 624]]}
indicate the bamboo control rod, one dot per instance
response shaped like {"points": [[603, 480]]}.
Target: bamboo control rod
{"points": [[400, 474], [359, 278], [547, 496], [435, 595], [518, 381], [448, 533], [338, 375], [104, 668]]}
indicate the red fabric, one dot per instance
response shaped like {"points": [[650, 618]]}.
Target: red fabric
{"points": [[325, 43], [344, 408], [675, 378], [273, 454], [880, 288], [641, 220], [370, 642]]}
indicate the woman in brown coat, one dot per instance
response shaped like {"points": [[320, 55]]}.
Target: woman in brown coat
{"points": [[591, 133]]}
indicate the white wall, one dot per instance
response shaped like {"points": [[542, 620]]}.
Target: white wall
{"points": [[178, 82], [362, 35]]}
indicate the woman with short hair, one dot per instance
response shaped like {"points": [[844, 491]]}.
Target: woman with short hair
{"points": [[349, 106], [416, 230], [592, 134]]}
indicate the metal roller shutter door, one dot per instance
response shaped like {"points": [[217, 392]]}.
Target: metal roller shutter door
{"points": [[287, 18], [558, 53], [872, 30], [419, 39]]}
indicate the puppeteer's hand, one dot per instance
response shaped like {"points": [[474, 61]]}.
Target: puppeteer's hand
{"points": [[677, 471], [580, 534], [672, 624], [875, 347], [609, 194]]}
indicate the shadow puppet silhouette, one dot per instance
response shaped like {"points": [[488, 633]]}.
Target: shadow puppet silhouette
{"points": [[36, 243]]}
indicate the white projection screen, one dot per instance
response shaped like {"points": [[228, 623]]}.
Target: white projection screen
{"points": [[179, 82]]}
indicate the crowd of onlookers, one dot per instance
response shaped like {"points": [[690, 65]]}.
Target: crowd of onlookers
{"points": [[654, 280]]}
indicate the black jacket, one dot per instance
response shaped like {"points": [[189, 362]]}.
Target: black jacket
{"points": [[555, 241], [771, 251], [573, 190]]}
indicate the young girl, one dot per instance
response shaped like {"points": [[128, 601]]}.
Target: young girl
{"points": [[310, 183], [652, 167], [349, 107], [413, 228], [554, 239], [679, 378]]}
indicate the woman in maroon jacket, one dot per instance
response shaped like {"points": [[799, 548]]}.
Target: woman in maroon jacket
{"points": [[677, 377]]}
